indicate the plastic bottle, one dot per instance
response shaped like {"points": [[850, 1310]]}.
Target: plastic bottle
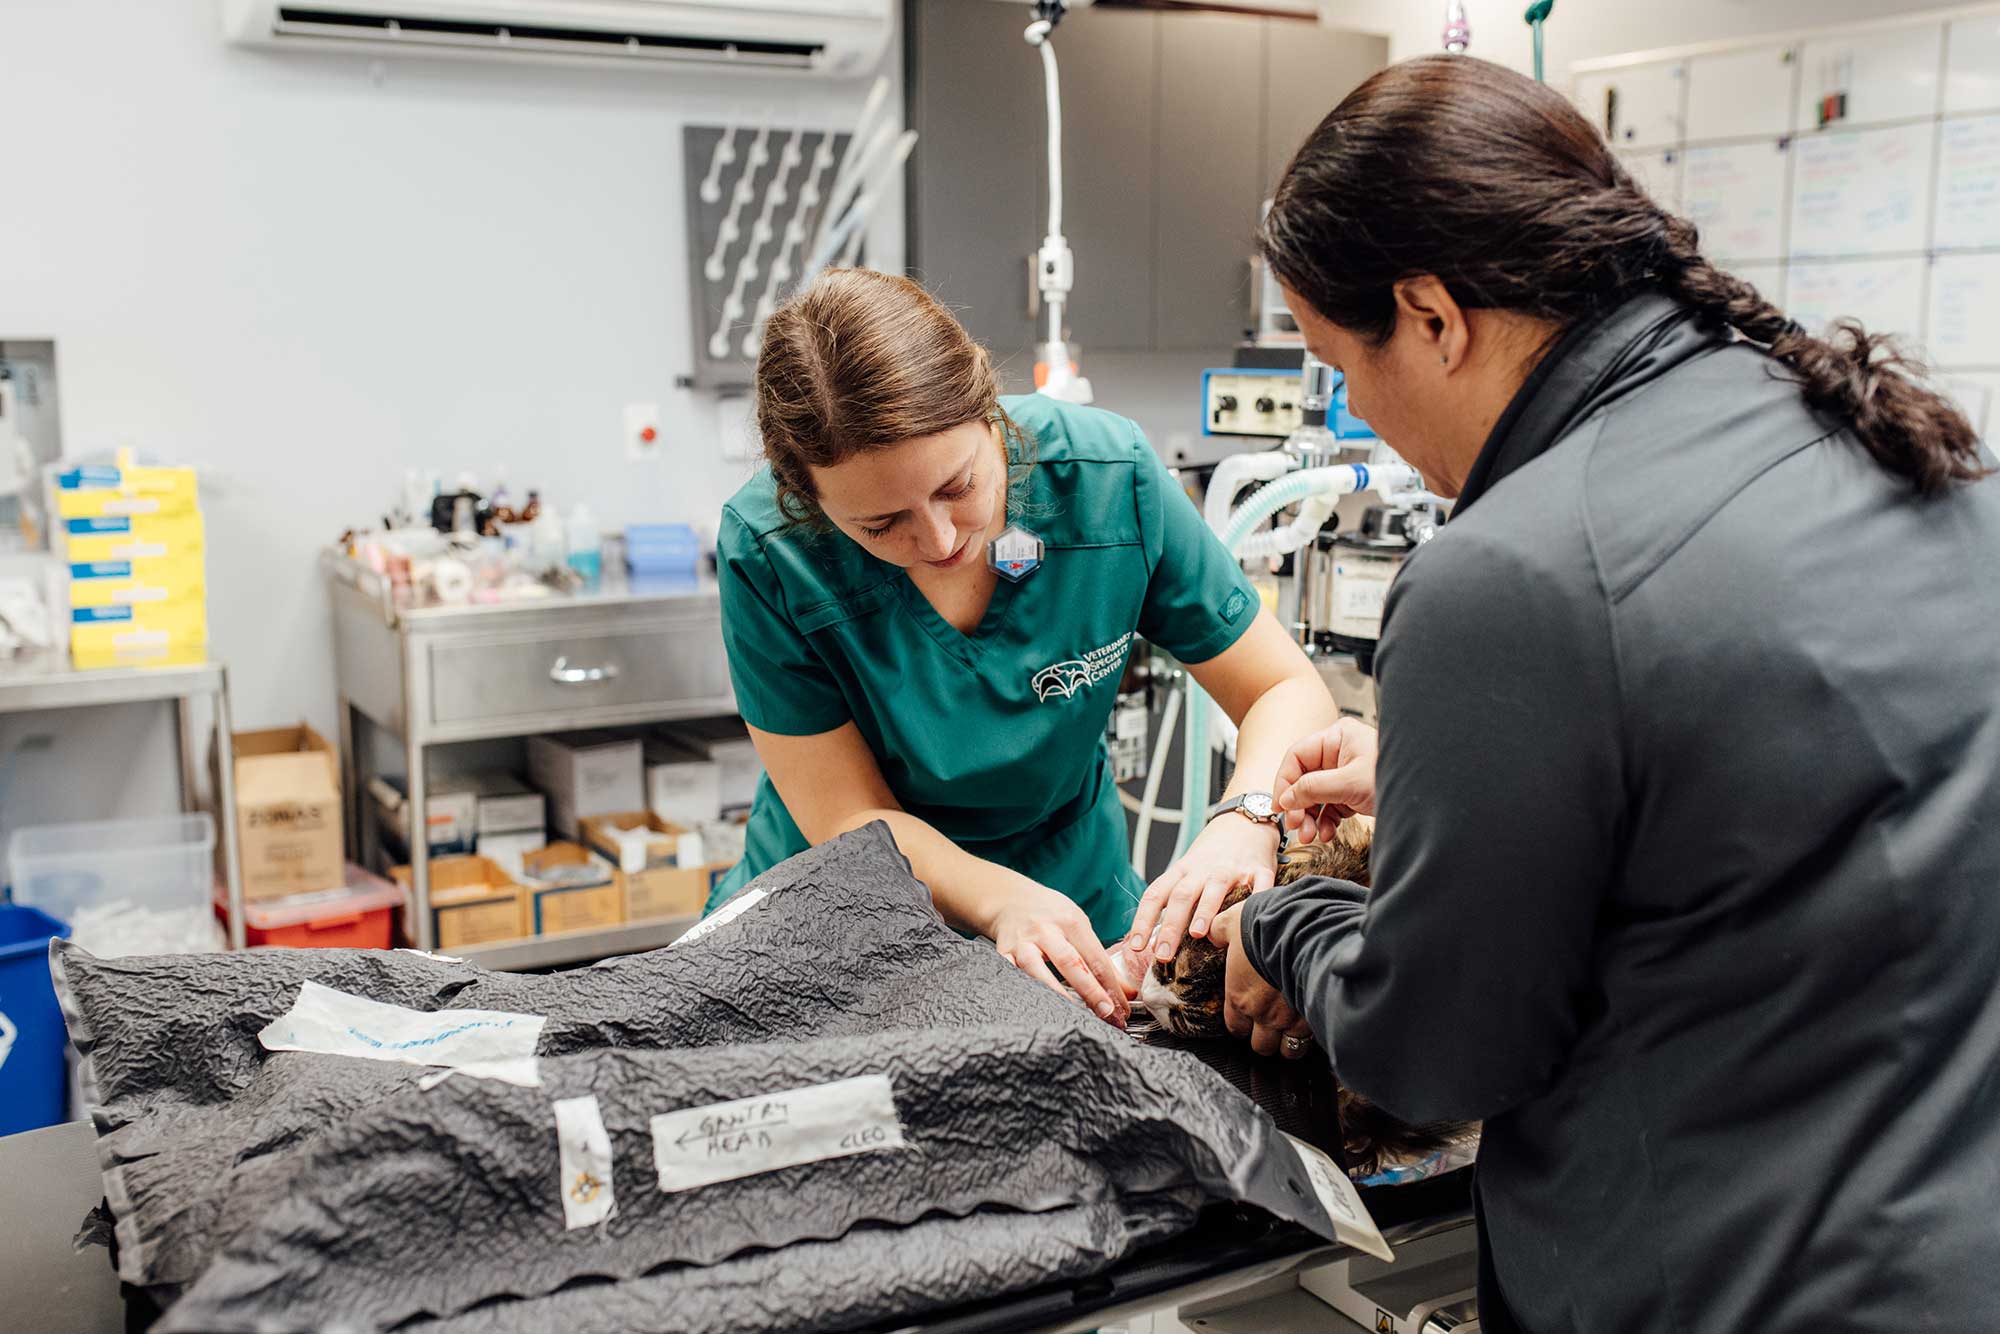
{"points": [[585, 557], [550, 549]]}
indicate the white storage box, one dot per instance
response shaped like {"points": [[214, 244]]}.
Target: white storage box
{"points": [[124, 886], [585, 773], [725, 741], [681, 787]]}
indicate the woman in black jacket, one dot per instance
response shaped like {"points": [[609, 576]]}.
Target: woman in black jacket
{"points": [[1688, 857]]}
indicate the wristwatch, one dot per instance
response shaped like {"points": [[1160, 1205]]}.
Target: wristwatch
{"points": [[1256, 807]]}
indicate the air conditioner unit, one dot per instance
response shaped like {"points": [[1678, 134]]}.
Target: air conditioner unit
{"points": [[829, 37]]}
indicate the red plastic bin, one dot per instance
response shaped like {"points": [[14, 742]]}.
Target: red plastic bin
{"points": [[359, 916]]}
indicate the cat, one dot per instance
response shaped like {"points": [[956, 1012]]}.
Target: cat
{"points": [[1184, 996]]}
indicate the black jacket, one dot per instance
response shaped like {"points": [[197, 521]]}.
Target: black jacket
{"points": [[1687, 860]]}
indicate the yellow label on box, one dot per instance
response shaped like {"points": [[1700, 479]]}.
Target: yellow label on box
{"points": [[117, 583], [165, 655], [128, 538], [121, 505], [131, 479], [130, 629]]}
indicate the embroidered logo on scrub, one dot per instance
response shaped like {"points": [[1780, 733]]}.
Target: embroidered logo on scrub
{"points": [[1233, 605], [1065, 679]]}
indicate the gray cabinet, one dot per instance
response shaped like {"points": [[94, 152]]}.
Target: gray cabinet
{"points": [[1306, 73], [975, 91], [1211, 180], [1109, 67], [1175, 129]]}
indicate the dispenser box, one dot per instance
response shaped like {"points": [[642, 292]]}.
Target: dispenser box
{"points": [[584, 774], [571, 889], [665, 866], [288, 826]]}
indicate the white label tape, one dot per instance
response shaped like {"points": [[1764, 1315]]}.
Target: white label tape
{"points": [[726, 1141], [722, 916], [429, 954], [1341, 1201], [487, 1044], [586, 1162]]}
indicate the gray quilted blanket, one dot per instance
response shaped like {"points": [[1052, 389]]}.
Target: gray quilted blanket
{"points": [[271, 1190]]}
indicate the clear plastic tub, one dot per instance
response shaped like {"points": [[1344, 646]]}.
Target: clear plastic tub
{"points": [[360, 915], [124, 886]]}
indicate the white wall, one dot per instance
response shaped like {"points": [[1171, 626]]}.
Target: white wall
{"points": [[304, 273], [1585, 29]]}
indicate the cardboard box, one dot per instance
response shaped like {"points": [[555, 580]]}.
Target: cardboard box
{"points": [[288, 826], [571, 889], [725, 741], [124, 477], [473, 902], [153, 655], [585, 773], [507, 850], [665, 867], [111, 492], [113, 583], [138, 632], [682, 787], [127, 538]]}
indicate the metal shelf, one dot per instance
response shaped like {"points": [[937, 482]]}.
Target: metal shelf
{"points": [[47, 681], [577, 946]]}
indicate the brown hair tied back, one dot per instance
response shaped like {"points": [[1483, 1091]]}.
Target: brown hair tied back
{"points": [[862, 360], [1460, 168]]}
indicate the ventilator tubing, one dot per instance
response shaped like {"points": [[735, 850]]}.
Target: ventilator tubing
{"points": [[1306, 488]]}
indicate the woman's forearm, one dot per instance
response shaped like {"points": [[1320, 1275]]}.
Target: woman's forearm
{"points": [[969, 891]]}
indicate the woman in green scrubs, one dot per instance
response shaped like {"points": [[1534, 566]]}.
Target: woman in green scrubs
{"points": [[893, 665]]}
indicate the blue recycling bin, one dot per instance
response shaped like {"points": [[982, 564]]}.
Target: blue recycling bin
{"points": [[34, 1076]]}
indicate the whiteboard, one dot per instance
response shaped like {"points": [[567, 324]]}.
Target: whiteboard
{"points": [[1736, 196], [1768, 279], [1861, 192], [1637, 107], [1972, 74], [1886, 295], [1965, 310], [1658, 172], [1884, 75], [1740, 94], [1968, 188], [1975, 396], [1889, 214]]}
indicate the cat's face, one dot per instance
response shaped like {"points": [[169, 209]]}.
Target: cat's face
{"points": [[1184, 993]]}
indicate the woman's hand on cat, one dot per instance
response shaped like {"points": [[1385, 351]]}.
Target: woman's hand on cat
{"points": [[1183, 902], [1252, 1007], [1044, 934], [1325, 778]]}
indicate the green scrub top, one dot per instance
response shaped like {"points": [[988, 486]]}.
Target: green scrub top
{"points": [[995, 738]]}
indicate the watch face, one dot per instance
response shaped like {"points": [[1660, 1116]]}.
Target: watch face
{"points": [[1257, 805]]}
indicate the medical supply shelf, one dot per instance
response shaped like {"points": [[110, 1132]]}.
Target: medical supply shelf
{"points": [[621, 654], [46, 680]]}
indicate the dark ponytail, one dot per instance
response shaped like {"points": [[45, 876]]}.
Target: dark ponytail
{"points": [[1465, 170]]}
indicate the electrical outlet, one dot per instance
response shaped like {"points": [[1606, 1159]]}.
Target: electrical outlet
{"points": [[642, 431]]}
